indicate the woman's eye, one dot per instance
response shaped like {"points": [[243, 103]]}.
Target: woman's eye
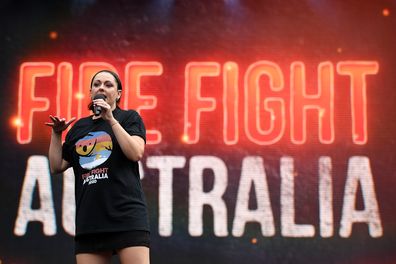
{"points": [[109, 85]]}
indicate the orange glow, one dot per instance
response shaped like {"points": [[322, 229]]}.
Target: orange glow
{"points": [[184, 138], [339, 50], [229, 66], [79, 96], [53, 35], [254, 240], [385, 12], [321, 113], [16, 122]]}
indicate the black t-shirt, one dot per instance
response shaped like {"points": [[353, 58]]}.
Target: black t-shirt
{"points": [[109, 195]]}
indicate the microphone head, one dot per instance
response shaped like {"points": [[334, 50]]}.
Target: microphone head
{"points": [[99, 96]]}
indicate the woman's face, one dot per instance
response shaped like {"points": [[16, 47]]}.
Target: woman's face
{"points": [[105, 83]]}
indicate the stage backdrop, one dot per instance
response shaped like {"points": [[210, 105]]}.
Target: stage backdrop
{"points": [[270, 125]]}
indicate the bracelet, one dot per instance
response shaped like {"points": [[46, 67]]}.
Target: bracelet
{"points": [[114, 124]]}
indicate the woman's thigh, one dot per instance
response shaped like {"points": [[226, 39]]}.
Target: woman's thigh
{"points": [[134, 255], [94, 258]]}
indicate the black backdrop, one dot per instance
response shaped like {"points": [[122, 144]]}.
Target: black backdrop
{"points": [[175, 34]]}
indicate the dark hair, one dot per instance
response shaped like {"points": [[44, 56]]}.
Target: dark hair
{"points": [[118, 81]]}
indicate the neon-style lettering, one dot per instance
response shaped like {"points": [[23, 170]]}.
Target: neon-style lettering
{"points": [[274, 107], [230, 103], [133, 98], [28, 103], [194, 104], [358, 70], [264, 110], [301, 102]]}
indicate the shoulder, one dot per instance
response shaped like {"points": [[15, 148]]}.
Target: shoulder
{"points": [[126, 112], [82, 122], [77, 126], [131, 121], [130, 114]]}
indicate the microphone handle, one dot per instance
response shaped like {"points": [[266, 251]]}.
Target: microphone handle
{"points": [[97, 110]]}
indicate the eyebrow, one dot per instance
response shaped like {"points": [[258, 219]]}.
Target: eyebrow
{"points": [[107, 81]]}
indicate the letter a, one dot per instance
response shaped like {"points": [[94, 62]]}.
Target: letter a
{"points": [[37, 172], [359, 172]]}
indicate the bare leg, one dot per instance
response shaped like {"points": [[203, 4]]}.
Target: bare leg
{"points": [[94, 258], [134, 255]]}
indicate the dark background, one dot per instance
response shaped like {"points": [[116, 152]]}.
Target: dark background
{"points": [[175, 33]]}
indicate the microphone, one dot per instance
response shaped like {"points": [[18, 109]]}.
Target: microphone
{"points": [[97, 109]]}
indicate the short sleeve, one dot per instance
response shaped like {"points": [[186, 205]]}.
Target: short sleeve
{"points": [[134, 125]]}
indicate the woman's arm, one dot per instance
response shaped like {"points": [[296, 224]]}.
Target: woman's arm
{"points": [[57, 163], [131, 146]]}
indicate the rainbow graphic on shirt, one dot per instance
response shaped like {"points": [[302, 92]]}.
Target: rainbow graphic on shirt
{"points": [[94, 149]]}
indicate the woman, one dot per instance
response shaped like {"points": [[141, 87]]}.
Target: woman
{"points": [[104, 149]]}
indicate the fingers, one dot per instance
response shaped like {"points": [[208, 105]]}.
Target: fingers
{"points": [[70, 121], [53, 118], [56, 121], [98, 101]]}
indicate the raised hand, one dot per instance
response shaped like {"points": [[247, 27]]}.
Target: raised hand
{"points": [[59, 124]]}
